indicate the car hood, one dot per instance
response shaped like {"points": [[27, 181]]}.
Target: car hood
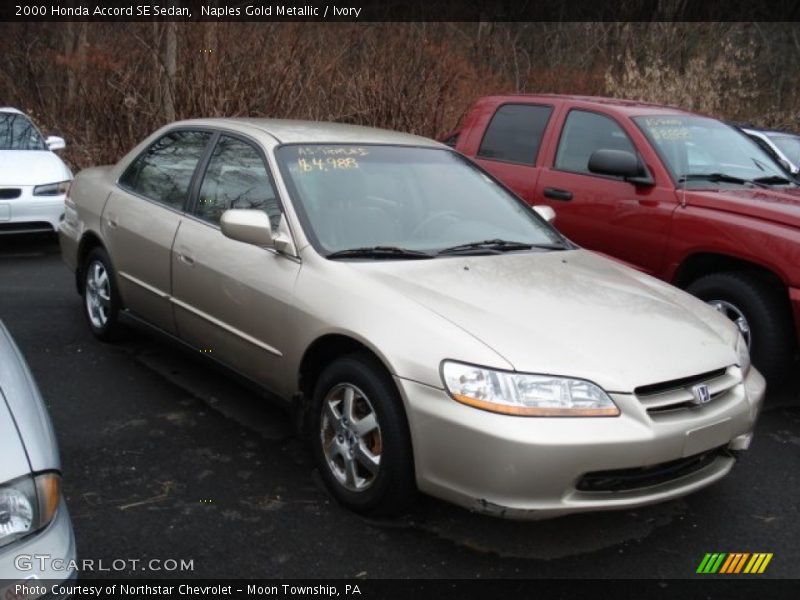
{"points": [[15, 462], [569, 313], [781, 205], [23, 413], [31, 167]]}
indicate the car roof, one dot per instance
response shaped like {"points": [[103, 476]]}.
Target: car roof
{"points": [[291, 131], [9, 109], [628, 107]]}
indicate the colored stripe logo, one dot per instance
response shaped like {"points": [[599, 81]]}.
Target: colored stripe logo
{"points": [[734, 562]]}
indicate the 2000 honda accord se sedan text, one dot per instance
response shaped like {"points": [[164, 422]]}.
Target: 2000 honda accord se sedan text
{"points": [[435, 331]]}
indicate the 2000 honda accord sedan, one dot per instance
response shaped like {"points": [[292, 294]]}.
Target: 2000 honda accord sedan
{"points": [[435, 332]]}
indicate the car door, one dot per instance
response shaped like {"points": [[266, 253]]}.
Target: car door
{"points": [[511, 144], [231, 298], [142, 216], [607, 214]]}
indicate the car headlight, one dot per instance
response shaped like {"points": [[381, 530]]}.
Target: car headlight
{"points": [[743, 355], [27, 504], [525, 394], [52, 189]]}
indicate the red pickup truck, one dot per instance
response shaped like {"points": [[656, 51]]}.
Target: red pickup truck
{"points": [[680, 196]]}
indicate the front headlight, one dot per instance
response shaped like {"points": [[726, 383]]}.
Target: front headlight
{"points": [[52, 189], [525, 394], [743, 355], [27, 504]]}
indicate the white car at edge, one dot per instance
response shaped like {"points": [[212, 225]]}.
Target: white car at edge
{"points": [[33, 180]]}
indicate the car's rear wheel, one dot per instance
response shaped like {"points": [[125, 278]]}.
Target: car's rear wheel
{"points": [[760, 311], [360, 437], [100, 298]]}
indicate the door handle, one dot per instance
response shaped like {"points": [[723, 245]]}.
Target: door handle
{"points": [[557, 194], [187, 260], [112, 222]]}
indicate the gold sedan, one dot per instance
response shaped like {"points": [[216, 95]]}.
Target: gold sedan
{"points": [[434, 331]]}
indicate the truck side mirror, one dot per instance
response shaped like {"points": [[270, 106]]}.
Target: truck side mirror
{"points": [[546, 212], [619, 163]]}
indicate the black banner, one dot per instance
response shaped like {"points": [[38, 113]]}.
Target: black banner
{"points": [[364, 589], [399, 10]]}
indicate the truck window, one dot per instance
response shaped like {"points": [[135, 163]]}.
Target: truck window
{"points": [[584, 132], [515, 133]]}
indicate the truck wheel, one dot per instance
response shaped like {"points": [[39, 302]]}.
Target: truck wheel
{"points": [[761, 313], [100, 297], [360, 437]]}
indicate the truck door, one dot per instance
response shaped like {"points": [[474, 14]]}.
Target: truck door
{"points": [[602, 213], [511, 144]]}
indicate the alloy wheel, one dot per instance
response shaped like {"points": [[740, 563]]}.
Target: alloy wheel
{"points": [[735, 315], [98, 294], [351, 437]]}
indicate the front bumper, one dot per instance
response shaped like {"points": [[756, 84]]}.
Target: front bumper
{"points": [[531, 468], [42, 559], [29, 213]]}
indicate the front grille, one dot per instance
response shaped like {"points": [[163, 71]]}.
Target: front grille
{"points": [[621, 480], [10, 193], [677, 393]]}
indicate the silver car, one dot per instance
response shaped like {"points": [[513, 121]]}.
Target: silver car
{"points": [[34, 521], [431, 329]]}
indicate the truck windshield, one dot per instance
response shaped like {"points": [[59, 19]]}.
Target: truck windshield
{"points": [[370, 201], [703, 152], [18, 133]]}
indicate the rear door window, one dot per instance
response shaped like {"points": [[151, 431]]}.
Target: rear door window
{"points": [[164, 172], [515, 133]]}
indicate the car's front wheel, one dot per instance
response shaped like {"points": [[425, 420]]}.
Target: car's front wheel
{"points": [[100, 297], [360, 437]]}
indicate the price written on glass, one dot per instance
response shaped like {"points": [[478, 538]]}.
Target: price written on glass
{"points": [[671, 133], [306, 165], [331, 151]]}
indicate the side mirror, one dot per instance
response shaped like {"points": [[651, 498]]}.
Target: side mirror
{"points": [[247, 226], [787, 166], [55, 143], [619, 163], [546, 212]]}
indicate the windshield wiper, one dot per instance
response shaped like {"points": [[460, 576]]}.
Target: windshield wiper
{"points": [[497, 246], [379, 252], [772, 180], [720, 178]]}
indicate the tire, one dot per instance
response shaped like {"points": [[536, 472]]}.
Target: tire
{"points": [[766, 310], [101, 302], [387, 488]]}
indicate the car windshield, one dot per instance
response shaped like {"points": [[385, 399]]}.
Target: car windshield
{"points": [[789, 145], [699, 151], [406, 202], [18, 133]]}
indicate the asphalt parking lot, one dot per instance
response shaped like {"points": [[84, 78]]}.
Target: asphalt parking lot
{"points": [[167, 458]]}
